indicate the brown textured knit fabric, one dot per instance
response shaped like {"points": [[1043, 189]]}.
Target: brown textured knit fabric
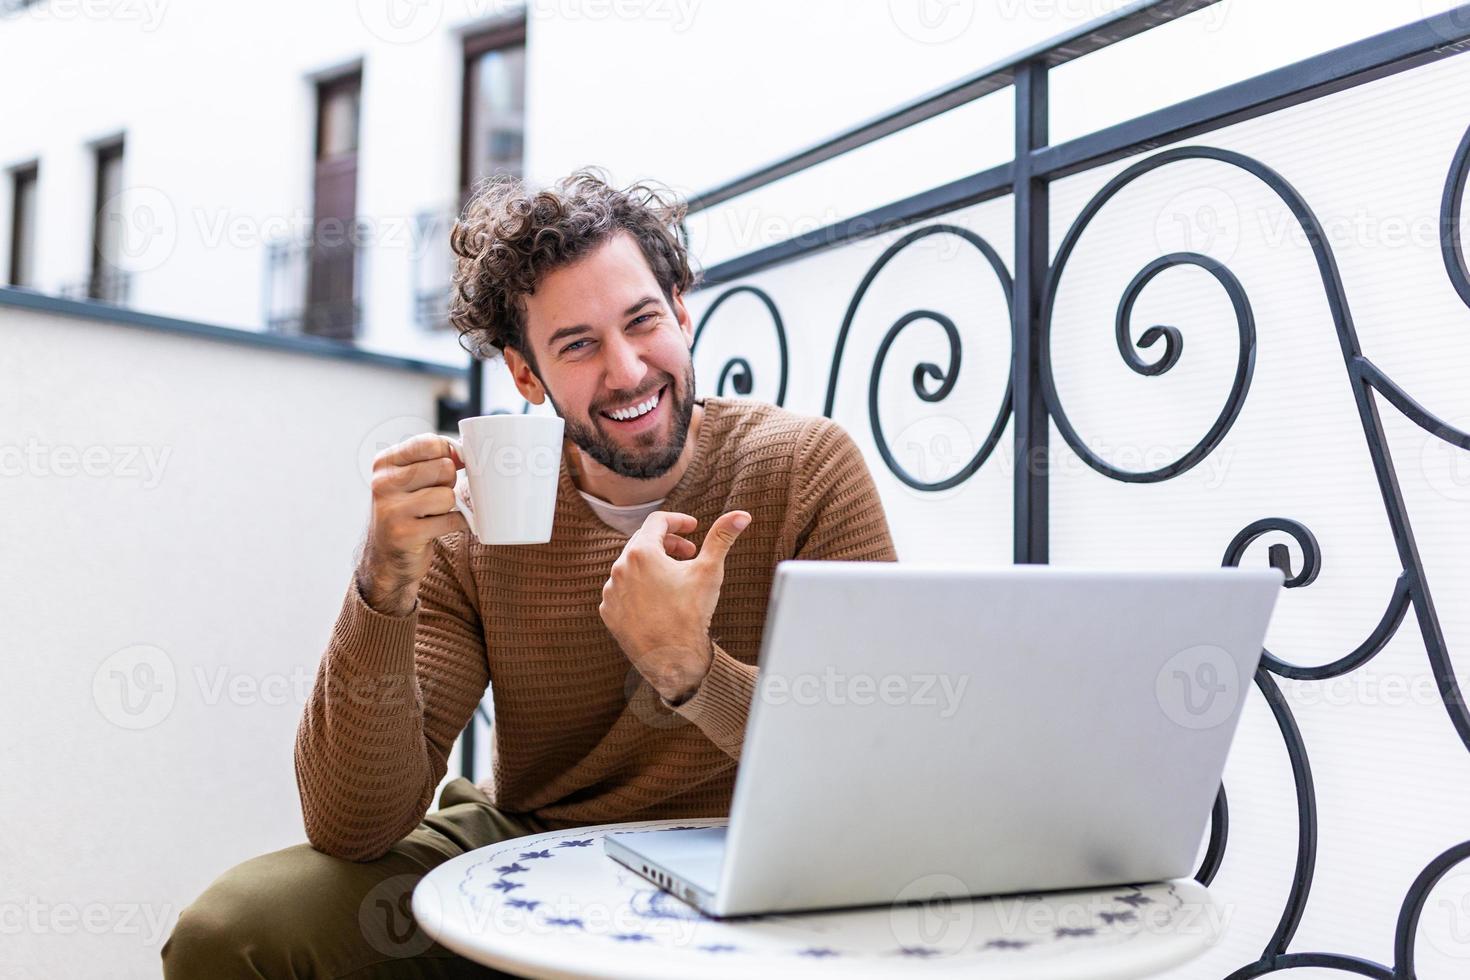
{"points": [[579, 737]]}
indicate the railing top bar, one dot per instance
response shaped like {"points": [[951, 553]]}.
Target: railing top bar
{"points": [[1353, 64], [320, 347], [1126, 22], [982, 186]]}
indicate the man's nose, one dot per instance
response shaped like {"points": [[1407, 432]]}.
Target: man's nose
{"points": [[625, 367]]}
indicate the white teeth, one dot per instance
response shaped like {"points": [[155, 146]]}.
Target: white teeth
{"points": [[643, 408]]}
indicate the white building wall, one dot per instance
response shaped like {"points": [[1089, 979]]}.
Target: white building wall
{"points": [[217, 104], [180, 519]]}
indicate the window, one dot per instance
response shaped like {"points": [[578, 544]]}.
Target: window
{"points": [[491, 141], [108, 281], [339, 103], [494, 120], [24, 181], [332, 308]]}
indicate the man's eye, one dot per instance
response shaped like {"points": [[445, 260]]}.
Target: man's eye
{"points": [[638, 320], [573, 346]]}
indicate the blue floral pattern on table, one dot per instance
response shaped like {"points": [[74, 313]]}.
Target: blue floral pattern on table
{"points": [[561, 886]]}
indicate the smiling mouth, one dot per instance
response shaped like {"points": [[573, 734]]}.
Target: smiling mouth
{"points": [[649, 406]]}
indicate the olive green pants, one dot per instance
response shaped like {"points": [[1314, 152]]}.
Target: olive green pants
{"points": [[299, 913]]}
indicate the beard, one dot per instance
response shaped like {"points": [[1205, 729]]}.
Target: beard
{"points": [[639, 462]]}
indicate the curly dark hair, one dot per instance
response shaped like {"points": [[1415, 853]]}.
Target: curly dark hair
{"points": [[510, 236]]}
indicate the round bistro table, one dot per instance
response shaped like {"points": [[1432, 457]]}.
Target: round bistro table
{"points": [[555, 906]]}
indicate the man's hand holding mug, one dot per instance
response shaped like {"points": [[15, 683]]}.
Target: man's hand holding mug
{"points": [[413, 503], [511, 464]]}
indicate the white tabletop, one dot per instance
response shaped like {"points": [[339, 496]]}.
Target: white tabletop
{"points": [[554, 905]]}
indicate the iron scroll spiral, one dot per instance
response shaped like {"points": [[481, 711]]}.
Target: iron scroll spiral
{"points": [[1449, 224], [1172, 337], [1410, 588], [737, 370], [924, 371]]}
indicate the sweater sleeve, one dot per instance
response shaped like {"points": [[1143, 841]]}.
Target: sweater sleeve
{"points": [[391, 695], [837, 515], [720, 704], [836, 509]]}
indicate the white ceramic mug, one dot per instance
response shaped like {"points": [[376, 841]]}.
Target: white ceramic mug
{"points": [[507, 490]]}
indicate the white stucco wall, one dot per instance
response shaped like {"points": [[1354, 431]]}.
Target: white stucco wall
{"points": [[180, 522]]}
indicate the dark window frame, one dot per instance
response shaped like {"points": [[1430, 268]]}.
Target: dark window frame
{"points": [[26, 173], [330, 308], [326, 88], [104, 154], [509, 35]]}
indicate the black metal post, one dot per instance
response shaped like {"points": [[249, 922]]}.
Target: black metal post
{"points": [[1032, 212], [474, 405]]}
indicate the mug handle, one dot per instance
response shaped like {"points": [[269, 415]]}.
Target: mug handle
{"points": [[462, 487]]}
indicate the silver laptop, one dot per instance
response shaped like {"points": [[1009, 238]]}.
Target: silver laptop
{"points": [[921, 731]]}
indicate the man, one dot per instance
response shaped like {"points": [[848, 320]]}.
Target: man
{"points": [[621, 655]]}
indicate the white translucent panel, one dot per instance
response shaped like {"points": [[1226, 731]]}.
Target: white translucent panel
{"points": [[960, 142], [1216, 46], [697, 93], [929, 440]]}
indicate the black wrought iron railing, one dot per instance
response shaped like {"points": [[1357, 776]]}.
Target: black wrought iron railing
{"points": [[111, 286], [431, 263], [313, 286], [1031, 404]]}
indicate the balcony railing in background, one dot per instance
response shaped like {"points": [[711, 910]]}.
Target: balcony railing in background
{"points": [[432, 260], [314, 287], [113, 287]]}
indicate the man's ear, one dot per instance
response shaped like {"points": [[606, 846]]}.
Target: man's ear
{"points": [[525, 378], [682, 315]]}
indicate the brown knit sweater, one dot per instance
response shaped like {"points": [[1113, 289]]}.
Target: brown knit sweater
{"points": [[579, 737]]}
